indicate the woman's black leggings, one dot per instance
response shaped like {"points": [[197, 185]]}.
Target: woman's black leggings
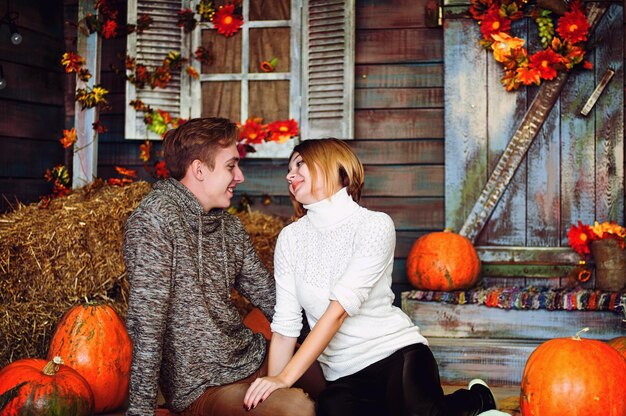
{"points": [[403, 384]]}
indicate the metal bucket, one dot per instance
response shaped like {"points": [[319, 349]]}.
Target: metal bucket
{"points": [[610, 261]]}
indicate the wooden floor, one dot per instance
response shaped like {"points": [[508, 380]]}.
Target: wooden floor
{"points": [[507, 398]]}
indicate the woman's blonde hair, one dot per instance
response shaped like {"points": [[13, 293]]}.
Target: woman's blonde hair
{"points": [[333, 162]]}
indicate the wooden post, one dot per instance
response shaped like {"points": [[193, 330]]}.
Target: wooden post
{"points": [[86, 147]]}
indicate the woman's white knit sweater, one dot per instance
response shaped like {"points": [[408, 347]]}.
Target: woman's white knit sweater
{"points": [[344, 252]]}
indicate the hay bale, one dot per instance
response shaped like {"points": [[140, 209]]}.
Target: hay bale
{"points": [[54, 258]]}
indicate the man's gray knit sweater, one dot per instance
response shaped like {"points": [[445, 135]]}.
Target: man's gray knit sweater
{"points": [[182, 264]]}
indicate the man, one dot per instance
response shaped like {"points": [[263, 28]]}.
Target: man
{"points": [[184, 253]]}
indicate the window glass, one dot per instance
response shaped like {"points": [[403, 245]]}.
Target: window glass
{"points": [[270, 10], [226, 52], [269, 100], [268, 43], [221, 99]]}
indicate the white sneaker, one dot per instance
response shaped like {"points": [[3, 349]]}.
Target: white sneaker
{"points": [[486, 395]]}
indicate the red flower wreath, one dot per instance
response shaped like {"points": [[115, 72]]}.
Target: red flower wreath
{"points": [[562, 51]]}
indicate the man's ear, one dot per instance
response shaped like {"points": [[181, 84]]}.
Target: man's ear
{"points": [[197, 169]]}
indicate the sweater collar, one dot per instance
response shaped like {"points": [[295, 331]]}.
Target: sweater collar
{"points": [[331, 211]]}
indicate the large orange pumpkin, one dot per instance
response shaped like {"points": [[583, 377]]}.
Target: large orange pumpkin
{"points": [[619, 343], [32, 386], [442, 261], [574, 377], [92, 339]]}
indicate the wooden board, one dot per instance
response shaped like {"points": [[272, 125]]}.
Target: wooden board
{"points": [[382, 152], [494, 344], [441, 320], [376, 14], [399, 124], [417, 180], [409, 75], [25, 158], [531, 211], [498, 362], [23, 190], [398, 98], [409, 45]]}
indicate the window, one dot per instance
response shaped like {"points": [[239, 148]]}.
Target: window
{"points": [[312, 82]]}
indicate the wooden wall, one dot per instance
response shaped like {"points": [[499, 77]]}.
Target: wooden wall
{"points": [[399, 118], [32, 113], [399, 115], [398, 124]]}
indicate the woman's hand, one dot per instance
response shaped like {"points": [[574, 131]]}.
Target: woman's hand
{"points": [[261, 389]]}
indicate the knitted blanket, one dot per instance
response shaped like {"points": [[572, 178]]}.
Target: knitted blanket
{"points": [[576, 299]]}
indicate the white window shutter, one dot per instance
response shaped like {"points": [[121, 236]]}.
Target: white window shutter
{"points": [[150, 48], [328, 69]]}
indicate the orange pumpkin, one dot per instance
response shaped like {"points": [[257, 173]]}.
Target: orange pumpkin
{"points": [[619, 343], [574, 377], [92, 339], [32, 386], [442, 261]]}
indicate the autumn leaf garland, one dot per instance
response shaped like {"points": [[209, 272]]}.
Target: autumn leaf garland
{"points": [[563, 48]]}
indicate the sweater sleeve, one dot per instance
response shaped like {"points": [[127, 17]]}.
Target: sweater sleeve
{"points": [[288, 315], [254, 281], [148, 255], [372, 255]]}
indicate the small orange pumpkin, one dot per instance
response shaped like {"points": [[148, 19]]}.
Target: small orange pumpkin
{"points": [[442, 260], [574, 377], [32, 386], [92, 339], [619, 343]]}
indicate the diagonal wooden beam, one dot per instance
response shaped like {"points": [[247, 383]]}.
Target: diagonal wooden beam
{"points": [[519, 144]]}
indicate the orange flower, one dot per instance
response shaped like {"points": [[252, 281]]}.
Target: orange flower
{"points": [[528, 76], [226, 22], [608, 229], [573, 26], [254, 131], [269, 66], [544, 62], [144, 151], [510, 81], [191, 71], [72, 62], [160, 77], [281, 131], [126, 172], [69, 138], [494, 23], [119, 181], [504, 45]]}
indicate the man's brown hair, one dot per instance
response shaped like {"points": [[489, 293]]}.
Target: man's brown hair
{"points": [[198, 138]]}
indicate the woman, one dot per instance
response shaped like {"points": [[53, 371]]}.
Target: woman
{"points": [[335, 262]]}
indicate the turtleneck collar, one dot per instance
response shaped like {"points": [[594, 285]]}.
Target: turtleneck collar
{"points": [[331, 211]]}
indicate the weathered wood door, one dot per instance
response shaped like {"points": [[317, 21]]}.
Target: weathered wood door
{"points": [[573, 169]]}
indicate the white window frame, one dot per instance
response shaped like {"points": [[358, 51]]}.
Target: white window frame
{"points": [[321, 95], [268, 149]]}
